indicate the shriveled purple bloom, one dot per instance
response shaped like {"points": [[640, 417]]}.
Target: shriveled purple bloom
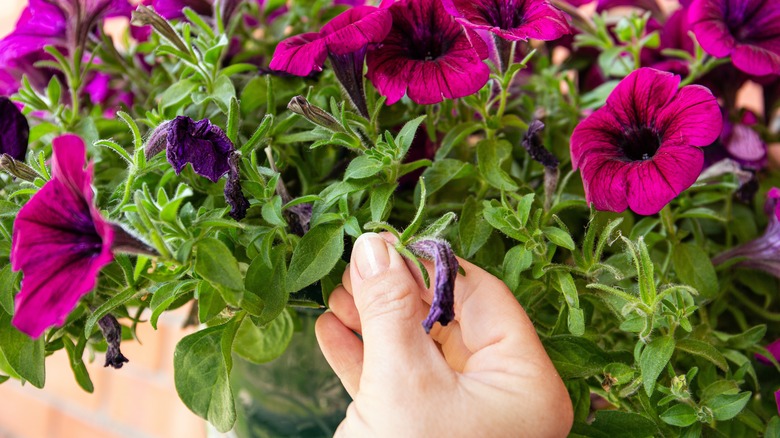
{"points": [[112, 333], [344, 41], [201, 144], [233, 195], [60, 241], [14, 130], [428, 55], [446, 270], [532, 142], [172, 9], [642, 148], [746, 30], [762, 253], [208, 149], [511, 19]]}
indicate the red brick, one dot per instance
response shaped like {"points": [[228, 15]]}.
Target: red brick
{"points": [[61, 383], [22, 415], [68, 426]]}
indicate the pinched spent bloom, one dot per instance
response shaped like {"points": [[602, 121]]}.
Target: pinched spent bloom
{"points": [[747, 30], [344, 40], [428, 55], [60, 242], [14, 130], [112, 333], [511, 19], [641, 149], [762, 253], [446, 270], [208, 149]]}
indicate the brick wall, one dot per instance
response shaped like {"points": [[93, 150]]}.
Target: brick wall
{"points": [[137, 401]]}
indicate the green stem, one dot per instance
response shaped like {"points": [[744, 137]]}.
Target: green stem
{"points": [[667, 218]]}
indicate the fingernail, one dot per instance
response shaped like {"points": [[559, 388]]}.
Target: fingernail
{"points": [[370, 255]]}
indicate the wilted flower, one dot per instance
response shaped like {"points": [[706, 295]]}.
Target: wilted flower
{"points": [[60, 241], [112, 333], [749, 31], [532, 142], [344, 41], [641, 150], [511, 19], [428, 54], [207, 148], [762, 253], [14, 130], [446, 270]]}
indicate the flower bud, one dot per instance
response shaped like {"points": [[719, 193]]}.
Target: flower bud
{"points": [[299, 105], [17, 169]]}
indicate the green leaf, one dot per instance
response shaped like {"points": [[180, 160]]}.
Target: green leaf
{"points": [[443, 171], [575, 357], [559, 237], [727, 406], [362, 166], [379, 198], [201, 376], [103, 310], [516, 260], [177, 93], [694, 268], [260, 344], [438, 226], [216, 263], [576, 321], [473, 230], [653, 360], [409, 231], [80, 372], [267, 284], [406, 136], [23, 354], [210, 302], [680, 415], [224, 92], [9, 282], [624, 424], [490, 155], [315, 255], [705, 350]]}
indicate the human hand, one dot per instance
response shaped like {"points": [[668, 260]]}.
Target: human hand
{"points": [[484, 374]]}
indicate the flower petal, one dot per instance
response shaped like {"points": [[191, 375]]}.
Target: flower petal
{"points": [[638, 98], [693, 114], [655, 182], [756, 60], [14, 130], [356, 28], [200, 143], [595, 135], [605, 183], [446, 267], [300, 55]]}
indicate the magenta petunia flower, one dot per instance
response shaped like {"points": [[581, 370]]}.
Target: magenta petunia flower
{"points": [[641, 149], [60, 242], [428, 55], [774, 350], [762, 253], [748, 30], [511, 19], [344, 40]]}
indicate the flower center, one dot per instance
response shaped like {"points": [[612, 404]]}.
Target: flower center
{"points": [[639, 142]]}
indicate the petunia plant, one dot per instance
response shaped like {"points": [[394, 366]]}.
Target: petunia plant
{"points": [[221, 157]]}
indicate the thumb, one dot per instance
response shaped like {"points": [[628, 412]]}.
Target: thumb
{"points": [[388, 300]]}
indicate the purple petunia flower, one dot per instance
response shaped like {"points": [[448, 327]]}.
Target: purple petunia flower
{"points": [[762, 253], [427, 54], [208, 149], [512, 20], [743, 144], [748, 30], [344, 40], [172, 9], [14, 130], [60, 242], [446, 270], [641, 150]]}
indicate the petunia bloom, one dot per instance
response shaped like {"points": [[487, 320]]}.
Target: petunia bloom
{"points": [[747, 30], [446, 270], [641, 149], [60, 241], [428, 55], [773, 349], [512, 20], [14, 130], [344, 40], [762, 253], [743, 144], [208, 149]]}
